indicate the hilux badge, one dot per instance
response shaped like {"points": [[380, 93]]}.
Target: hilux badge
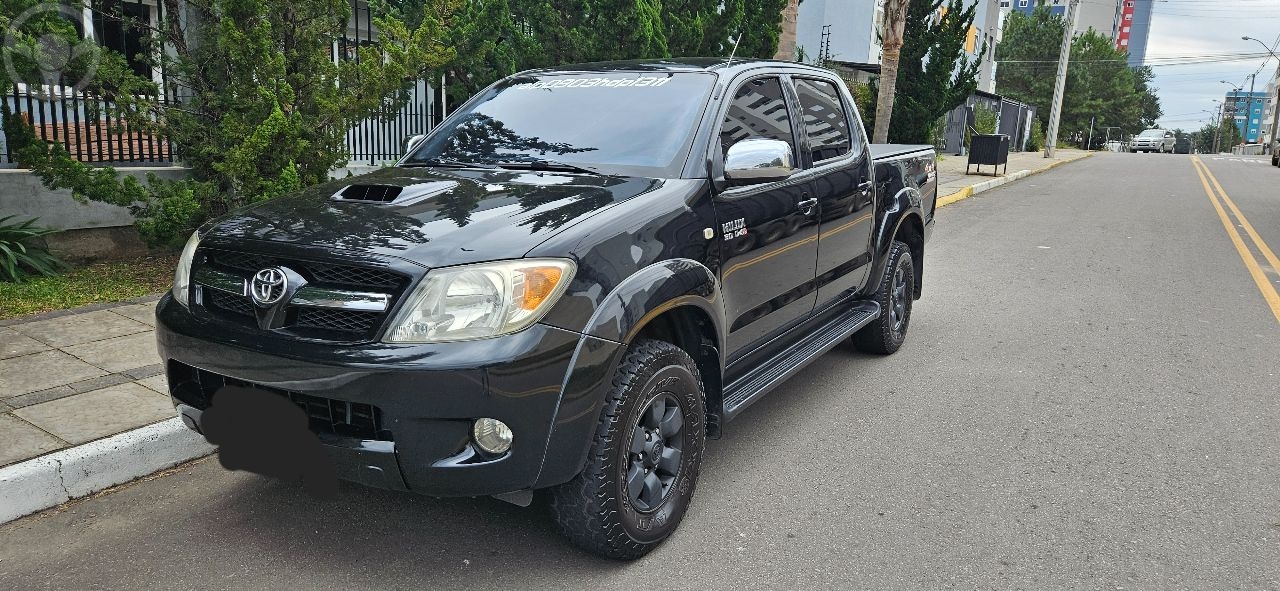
{"points": [[268, 286]]}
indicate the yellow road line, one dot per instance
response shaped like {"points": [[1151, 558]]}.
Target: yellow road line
{"points": [[1248, 228], [1259, 277]]}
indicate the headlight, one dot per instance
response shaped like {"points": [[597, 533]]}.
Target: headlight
{"points": [[480, 301], [182, 276]]}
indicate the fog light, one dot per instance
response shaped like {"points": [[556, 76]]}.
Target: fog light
{"points": [[492, 435]]}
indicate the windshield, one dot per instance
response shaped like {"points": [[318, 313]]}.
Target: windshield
{"points": [[1152, 133], [636, 123]]}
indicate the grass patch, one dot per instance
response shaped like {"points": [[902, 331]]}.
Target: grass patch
{"points": [[88, 284]]}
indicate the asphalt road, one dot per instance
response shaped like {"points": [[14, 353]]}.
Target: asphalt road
{"points": [[1088, 398]]}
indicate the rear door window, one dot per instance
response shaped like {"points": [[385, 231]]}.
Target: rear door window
{"points": [[825, 119]]}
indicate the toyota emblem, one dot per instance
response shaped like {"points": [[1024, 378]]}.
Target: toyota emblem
{"points": [[268, 286]]}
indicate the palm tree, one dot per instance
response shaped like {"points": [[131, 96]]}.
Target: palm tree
{"points": [[895, 19], [787, 39]]}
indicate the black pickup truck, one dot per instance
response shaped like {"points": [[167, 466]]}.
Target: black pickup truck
{"points": [[577, 279]]}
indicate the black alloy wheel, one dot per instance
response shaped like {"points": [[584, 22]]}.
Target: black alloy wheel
{"points": [[896, 293], [899, 298], [657, 442], [642, 467]]}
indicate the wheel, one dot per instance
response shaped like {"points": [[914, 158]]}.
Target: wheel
{"points": [[896, 293], [644, 460]]}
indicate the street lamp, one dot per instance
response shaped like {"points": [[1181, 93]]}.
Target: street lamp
{"points": [[1248, 110], [1275, 102]]}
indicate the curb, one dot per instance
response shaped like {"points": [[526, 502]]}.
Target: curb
{"points": [[50, 480], [970, 191]]}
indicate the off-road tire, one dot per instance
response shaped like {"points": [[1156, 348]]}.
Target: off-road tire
{"points": [[594, 510], [886, 334]]}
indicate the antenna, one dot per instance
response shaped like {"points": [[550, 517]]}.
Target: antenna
{"points": [[735, 48]]}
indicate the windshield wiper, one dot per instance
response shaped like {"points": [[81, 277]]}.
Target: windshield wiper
{"points": [[447, 163], [551, 165]]}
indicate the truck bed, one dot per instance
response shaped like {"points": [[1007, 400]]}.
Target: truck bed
{"points": [[882, 152]]}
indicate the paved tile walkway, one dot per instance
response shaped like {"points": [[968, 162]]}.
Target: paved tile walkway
{"points": [[70, 377]]}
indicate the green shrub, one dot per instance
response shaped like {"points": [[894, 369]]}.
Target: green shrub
{"points": [[19, 255], [984, 122], [1036, 142]]}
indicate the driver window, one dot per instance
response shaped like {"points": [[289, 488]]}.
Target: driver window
{"points": [[758, 110]]}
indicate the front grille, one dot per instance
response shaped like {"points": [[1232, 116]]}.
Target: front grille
{"points": [[324, 324], [229, 302], [339, 320], [329, 273], [357, 276], [326, 415]]}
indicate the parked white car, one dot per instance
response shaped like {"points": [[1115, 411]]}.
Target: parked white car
{"points": [[1154, 140]]}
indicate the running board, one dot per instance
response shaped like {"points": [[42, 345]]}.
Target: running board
{"points": [[752, 387]]}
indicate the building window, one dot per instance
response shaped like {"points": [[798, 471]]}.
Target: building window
{"points": [[1124, 41], [1022, 3], [1126, 29], [1128, 17], [122, 27]]}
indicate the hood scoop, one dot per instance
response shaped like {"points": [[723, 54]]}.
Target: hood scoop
{"points": [[393, 194]]}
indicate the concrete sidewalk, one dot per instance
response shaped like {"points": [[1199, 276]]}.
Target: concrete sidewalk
{"points": [[70, 378], [84, 404], [954, 185]]}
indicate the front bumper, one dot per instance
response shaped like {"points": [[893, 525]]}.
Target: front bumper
{"points": [[424, 398]]}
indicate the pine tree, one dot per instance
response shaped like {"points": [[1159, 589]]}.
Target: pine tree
{"points": [[933, 74]]}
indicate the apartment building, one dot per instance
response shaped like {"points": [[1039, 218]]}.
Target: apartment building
{"points": [[1127, 22]]}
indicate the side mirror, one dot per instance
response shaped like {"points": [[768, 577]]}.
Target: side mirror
{"points": [[759, 160], [413, 142]]}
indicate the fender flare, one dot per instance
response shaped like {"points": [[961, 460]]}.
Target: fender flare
{"points": [[653, 290], [906, 202], [643, 296]]}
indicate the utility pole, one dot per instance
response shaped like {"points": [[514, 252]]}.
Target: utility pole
{"points": [[1089, 146], [1060, 87], [1217, 128]]}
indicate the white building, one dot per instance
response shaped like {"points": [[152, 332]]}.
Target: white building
{"points": [[849, 32], [846, 31]]}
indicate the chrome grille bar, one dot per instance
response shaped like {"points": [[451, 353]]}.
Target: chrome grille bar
{"points": [[307, 295]]}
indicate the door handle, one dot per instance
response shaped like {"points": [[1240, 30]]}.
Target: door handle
{"points": [[807, 206], [864, 186]]}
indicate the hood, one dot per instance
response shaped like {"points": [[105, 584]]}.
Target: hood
{"points": [[435, 217]]}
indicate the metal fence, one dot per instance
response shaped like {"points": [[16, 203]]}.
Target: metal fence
{"points": [[380, 139], [88, 127], [84, 125]]}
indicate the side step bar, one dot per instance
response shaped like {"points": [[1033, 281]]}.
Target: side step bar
{"points": [[751, 387]]}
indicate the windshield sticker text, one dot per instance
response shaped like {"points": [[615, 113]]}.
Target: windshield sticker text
{"points": [[649, 81]]}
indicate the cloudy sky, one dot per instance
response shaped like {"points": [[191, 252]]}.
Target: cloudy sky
{"points": [[1189, 31]]}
